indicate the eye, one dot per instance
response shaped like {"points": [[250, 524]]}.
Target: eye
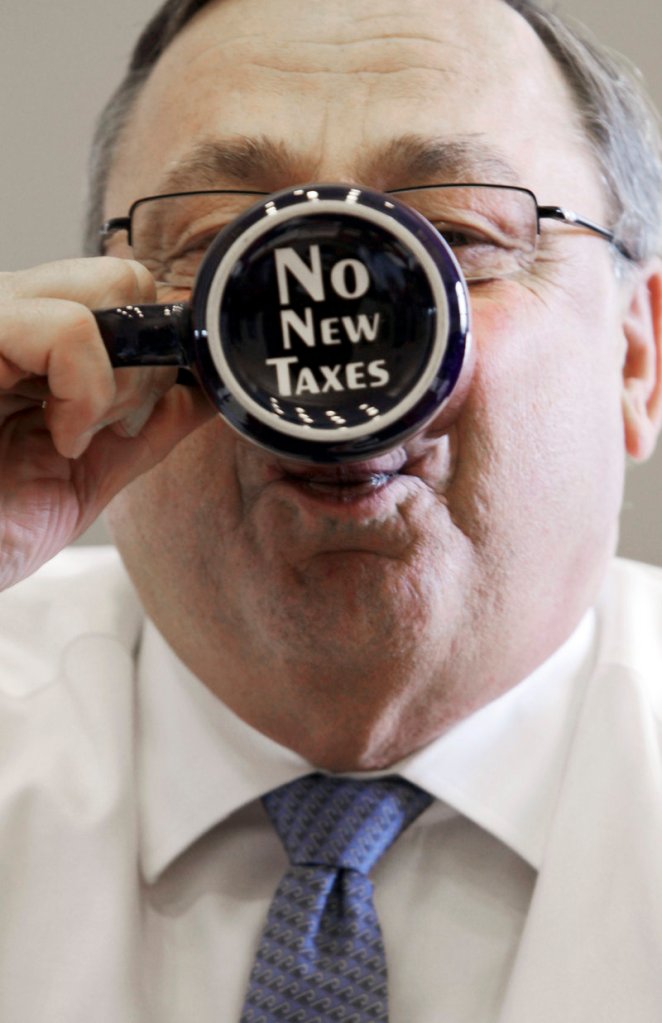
{"points": [[458, 237], [179, 266], [483, 256]]}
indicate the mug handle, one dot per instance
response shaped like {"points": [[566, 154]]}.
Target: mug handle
{"points": [[146, 335]]}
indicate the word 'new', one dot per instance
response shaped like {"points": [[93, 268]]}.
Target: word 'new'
{"points": [[349, 280], [332, 330]]}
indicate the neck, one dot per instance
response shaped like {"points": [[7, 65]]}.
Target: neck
{"points": [[342, 719]]}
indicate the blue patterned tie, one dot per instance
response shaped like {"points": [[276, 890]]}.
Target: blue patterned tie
{"points": [[321, 955]]}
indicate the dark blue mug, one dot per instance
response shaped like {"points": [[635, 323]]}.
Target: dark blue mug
{"points": [[327, 323]]}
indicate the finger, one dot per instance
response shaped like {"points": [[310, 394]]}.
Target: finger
{"points": [[135, 401], [58, 341], [96, 282], [111, 462], [50, 338], [33, 457], [65, 361], [33, 388], [48, 334], [11, 404]]}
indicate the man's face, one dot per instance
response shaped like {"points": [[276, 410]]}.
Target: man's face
{"points": [[356, 621]]}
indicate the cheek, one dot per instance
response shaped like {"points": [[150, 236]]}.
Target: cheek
{"points": [[540, 436], [548, 359], [159, 515]]}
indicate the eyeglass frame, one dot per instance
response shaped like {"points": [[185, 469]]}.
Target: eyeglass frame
{"points": [[558, 213]]}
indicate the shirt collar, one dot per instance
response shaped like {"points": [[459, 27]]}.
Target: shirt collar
{"points": [[197, 762], [501, 767]]}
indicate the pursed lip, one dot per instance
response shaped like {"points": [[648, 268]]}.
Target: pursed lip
{"points": [[346, 482], [424, 463]]}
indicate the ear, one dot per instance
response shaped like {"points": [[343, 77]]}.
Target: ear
{"points": [[642, 367]]}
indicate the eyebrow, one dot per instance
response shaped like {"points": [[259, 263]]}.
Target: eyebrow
{"points": [[417, 159], [261, 164], [240, 161]]}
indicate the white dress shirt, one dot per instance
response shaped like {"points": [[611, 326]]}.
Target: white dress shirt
{"points": [[142, 864], [451, 894]]}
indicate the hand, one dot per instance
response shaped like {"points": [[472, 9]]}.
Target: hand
{"points": [[73, 431]]}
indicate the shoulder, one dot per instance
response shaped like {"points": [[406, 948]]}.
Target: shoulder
{"points": [[633, 596], [630, 626], [635, 573], [67, 722], [83, 592]]}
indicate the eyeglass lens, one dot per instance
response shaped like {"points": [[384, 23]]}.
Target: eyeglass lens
{"points": [[491, 229]]}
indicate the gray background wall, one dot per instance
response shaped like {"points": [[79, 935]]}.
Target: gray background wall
{"points": [[59, 60]]}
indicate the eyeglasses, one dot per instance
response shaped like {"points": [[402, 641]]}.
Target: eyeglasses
{"points": [[493, 230]]}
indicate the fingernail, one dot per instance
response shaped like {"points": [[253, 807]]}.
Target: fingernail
{"points": [[84, 440], [132, 424], [80, 446]]}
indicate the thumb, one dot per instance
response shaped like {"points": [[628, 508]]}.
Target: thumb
{"points": [[112, 461]]}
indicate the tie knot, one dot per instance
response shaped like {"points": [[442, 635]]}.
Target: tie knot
{"points": [[342, 822]]}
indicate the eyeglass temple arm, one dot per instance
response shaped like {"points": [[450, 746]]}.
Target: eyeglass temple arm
{"points": [[145, 335], [567, 216], [112, 226]]}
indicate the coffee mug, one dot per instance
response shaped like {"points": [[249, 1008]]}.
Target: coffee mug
{"points": [[327, 323]]}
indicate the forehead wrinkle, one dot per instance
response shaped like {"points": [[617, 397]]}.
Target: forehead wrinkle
{"points": [[386, 58]]}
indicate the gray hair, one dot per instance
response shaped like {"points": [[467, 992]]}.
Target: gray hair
{"points": [[619, 121]]}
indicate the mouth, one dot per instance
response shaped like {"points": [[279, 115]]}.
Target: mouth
{"points": [[344, 490], [345, 484]]}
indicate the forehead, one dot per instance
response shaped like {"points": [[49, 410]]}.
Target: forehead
{"points": [[368, 91]]}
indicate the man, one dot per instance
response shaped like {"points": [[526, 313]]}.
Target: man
{"points": [[447, 612]]}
